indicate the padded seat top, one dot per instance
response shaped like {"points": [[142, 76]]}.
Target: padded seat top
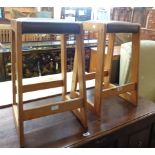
{"points": [[122, 27], [118, 26], [48, 25]]}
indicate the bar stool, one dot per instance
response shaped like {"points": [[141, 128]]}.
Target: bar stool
{"points": [[103, 87], [77, 105]]}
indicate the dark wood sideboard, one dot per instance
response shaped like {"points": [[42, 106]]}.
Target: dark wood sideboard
{"points": [[120, 125]]}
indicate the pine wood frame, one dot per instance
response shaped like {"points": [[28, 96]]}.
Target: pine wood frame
{"points": [[77, 105], [103, 87]]}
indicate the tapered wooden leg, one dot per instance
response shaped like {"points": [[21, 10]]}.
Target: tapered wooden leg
{"points": [[63, 65], [13, 69], [74, 76], [132, 96], [19, 67], [108, 59], [81, 113], [16, 107], [99, 70], [135, 65]]}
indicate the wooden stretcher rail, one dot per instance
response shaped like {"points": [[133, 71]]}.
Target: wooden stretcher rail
{"points": [[53, 108], [119, 90], [43, 85], [90, 76]]}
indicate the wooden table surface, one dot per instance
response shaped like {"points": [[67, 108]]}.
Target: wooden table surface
{"points": [[64, 130]]}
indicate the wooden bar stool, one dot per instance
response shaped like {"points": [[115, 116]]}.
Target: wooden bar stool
{"points": [[103, 87], [77, 105]]}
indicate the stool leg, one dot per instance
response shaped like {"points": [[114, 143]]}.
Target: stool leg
{"points": [[63, 65], [13, 60], [81, 113], [74, 76], [18, 45], [99, 70], [108, 59], [135, 65], [132, 96], [18, 123]]}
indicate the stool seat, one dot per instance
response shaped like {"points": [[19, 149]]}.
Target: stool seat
{"points": [[48, 25], [122, 27], [116, 26]]}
